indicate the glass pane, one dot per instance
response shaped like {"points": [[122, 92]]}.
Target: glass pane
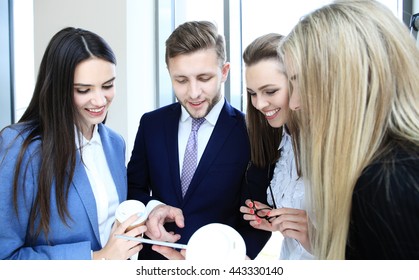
{"points": [[24, 60], [6, 115], [272, 17], [265, 16]]}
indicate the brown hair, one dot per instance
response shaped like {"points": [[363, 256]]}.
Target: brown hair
{"points": [[193, 36]]}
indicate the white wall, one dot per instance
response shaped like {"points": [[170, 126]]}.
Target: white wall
{"points": [[128, 27]]}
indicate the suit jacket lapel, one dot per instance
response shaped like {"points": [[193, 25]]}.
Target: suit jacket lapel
{"points": [[171, 130]]}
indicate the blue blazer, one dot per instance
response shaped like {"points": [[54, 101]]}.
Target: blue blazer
{"points": [[215, 191], [73, 241]]}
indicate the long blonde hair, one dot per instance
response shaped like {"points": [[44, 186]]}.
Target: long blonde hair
{"points": [[356, 69]]}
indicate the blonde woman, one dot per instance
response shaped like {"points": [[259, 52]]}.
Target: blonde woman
{"points": [[353, 69]]}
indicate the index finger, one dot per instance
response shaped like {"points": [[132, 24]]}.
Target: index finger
{"points": [[128, 222]]}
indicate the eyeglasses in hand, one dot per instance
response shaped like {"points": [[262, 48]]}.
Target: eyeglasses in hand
{"points": [[263, 213]]}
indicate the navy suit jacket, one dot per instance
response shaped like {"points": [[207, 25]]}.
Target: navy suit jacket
{"points": [[215, 192], [73, 241]]}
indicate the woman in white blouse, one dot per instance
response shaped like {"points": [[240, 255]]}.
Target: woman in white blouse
{"points": [[62, 171], [269, 123]]}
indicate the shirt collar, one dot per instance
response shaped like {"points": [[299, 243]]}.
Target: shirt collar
{"points": [[212, 116], [84, 142], [96, 136], [286, 137]]}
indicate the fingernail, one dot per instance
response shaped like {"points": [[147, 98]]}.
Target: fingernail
{"points": [[250, 204], [252, 211], [269, 213]]}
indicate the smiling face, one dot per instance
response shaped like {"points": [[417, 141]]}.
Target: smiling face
{"points": [[268, 88], [197, 78], [94, 90]]}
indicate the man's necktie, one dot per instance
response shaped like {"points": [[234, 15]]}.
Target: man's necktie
{"points": [[190, 160]]}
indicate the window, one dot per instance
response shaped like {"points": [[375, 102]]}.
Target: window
{"points": [[23, 58], [280, 18], [172, 13], [6, 96], [17, 56]]}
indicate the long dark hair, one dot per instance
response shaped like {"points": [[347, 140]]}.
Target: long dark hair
{"points": [[264, 139], [52, 117]]}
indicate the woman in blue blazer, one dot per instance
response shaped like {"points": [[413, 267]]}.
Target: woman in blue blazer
{"points": [[62, 171]]}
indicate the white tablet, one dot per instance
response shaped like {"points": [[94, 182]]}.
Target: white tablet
{"points": [[154, 242]]}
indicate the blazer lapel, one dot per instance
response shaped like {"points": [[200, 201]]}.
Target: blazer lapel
{"points": [[82, 185], [171, 130], [118, 175]]}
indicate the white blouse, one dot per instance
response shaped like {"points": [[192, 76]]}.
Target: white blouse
{"points": [[101, 182], [288, 191]]}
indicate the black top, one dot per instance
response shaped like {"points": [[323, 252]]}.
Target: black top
{"points": [[256, 182], [255, 185], [385, 208]]}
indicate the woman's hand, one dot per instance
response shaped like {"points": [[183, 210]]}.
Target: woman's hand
{"points": [[254, 211], [292, 223], [121, 249]]}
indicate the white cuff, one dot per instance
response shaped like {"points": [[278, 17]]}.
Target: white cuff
{"points": [[153, 204]]}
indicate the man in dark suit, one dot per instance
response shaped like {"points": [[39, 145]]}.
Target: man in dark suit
{"points": [[196, 60]]}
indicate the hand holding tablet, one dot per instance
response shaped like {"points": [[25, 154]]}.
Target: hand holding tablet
{"points": [[154, 242], [209, 243]]}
